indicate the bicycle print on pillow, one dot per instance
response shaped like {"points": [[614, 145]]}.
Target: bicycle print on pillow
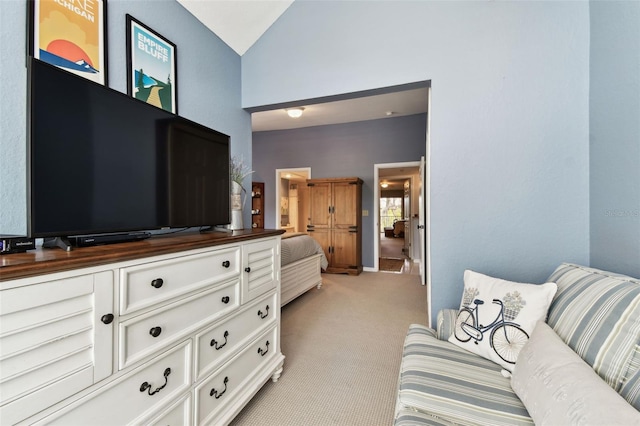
{"points": [[496, 317], [506, 338]]}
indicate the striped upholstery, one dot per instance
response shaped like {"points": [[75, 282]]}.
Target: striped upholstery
{"points": [[597, 314], [409, 417], [446, 323], [631, 388], [446, 382]]}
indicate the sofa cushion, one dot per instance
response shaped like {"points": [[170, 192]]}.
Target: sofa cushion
{"points": [[597, 314], [452, 384], [558, 387], [497, 316], [408, 417]]}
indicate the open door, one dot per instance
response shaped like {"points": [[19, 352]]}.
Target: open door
{"points": [[422, 222]]}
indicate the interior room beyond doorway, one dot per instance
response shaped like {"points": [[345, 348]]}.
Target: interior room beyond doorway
{"points": [[292, 199], [396, 203]]}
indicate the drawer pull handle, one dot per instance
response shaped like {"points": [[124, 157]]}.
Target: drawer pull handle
{"points": [[107, 318], [225, 299], [215, 393], [214, 342], [226, 263], [247, 269], [157, 283], [263, 353], [155, 331], [147, 387], [266, 313]]}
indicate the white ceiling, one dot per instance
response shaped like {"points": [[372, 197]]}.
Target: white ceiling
{"points": [[240, 23], [396, 104]]}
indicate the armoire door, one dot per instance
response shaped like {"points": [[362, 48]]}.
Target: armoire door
{"points": [[319, 205], [323, 237], [344, 249], [343, 205]]}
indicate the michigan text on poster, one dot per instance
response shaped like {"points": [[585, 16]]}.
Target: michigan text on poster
{"points": [[84, 8]]}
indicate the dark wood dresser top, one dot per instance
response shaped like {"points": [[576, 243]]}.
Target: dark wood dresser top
{"points": [[45, 261]]}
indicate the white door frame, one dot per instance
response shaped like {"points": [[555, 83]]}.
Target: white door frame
{"points": [[426, 276], [306, 170], [376, 203]]}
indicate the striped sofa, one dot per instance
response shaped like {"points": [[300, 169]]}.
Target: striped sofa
{"points": [[596, 313]]}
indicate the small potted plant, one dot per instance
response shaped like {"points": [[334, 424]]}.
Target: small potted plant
{"points": [[237, 171]]}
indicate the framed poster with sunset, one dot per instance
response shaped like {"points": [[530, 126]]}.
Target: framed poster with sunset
{"points": [[151, 66], [71, 35]]}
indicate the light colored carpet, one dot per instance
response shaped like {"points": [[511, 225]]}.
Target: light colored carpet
{"points": [[343, 347]]}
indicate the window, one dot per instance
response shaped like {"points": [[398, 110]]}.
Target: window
{"points": [[390, 210]]}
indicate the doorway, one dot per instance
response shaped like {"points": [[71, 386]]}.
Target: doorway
{"points": [[396, 207], [292, 199]]}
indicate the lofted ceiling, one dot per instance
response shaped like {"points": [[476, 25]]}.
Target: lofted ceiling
{"points": [[240, 23]]}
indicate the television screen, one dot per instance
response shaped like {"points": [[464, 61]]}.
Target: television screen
{"points": [[101, 162]]}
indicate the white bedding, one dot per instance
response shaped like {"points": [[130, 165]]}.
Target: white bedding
{"points": [[296, 246]]}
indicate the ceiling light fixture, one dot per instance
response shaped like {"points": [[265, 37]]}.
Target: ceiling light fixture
{"points": [[295, 112], [384, 184]]}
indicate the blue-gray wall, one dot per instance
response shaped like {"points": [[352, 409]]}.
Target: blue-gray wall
{"points": [[614, 122], [339, 150], [509, 118], [208, 86]]}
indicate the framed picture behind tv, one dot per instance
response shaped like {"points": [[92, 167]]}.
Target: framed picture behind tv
{"points": [[70, 35], [151, 66]]}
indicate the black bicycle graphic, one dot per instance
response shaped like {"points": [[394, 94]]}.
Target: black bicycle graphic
{"points": [[507, 338]]}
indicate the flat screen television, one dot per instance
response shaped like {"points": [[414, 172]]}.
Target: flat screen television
{"points": [[100, 161]]}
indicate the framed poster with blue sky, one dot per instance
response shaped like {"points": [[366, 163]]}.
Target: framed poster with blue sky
{"points": [[151, 66], [70, 35]]}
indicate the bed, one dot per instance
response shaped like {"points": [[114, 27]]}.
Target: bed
{"points": [[302, 261]]}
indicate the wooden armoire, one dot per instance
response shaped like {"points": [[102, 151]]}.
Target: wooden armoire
{"points": [[335, 221]]}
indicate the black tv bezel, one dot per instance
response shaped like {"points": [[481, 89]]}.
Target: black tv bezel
{"points": [[31, 233]]}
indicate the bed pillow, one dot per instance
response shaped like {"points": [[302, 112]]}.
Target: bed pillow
{"points": [[557, 387], [496, 316]]}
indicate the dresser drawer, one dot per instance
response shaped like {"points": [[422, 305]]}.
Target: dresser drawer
{"points": [[147, 333], [218, 343], [219, 391], [151, 283], [135, 395], [179, 414]]}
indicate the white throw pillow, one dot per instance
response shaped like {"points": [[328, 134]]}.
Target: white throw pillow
{"points": [[558, 388], [496, 316]]}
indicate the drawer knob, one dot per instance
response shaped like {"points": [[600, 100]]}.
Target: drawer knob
{"points": [[225, 299], [226, 263], [266, 314], [107, 318], [247, 269], [155, 331], [215, 393], [157, 283], [147, 387], [264, 352], [215, 344]]}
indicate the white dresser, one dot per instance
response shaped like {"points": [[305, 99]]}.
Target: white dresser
{"points": [[172, 331]]}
